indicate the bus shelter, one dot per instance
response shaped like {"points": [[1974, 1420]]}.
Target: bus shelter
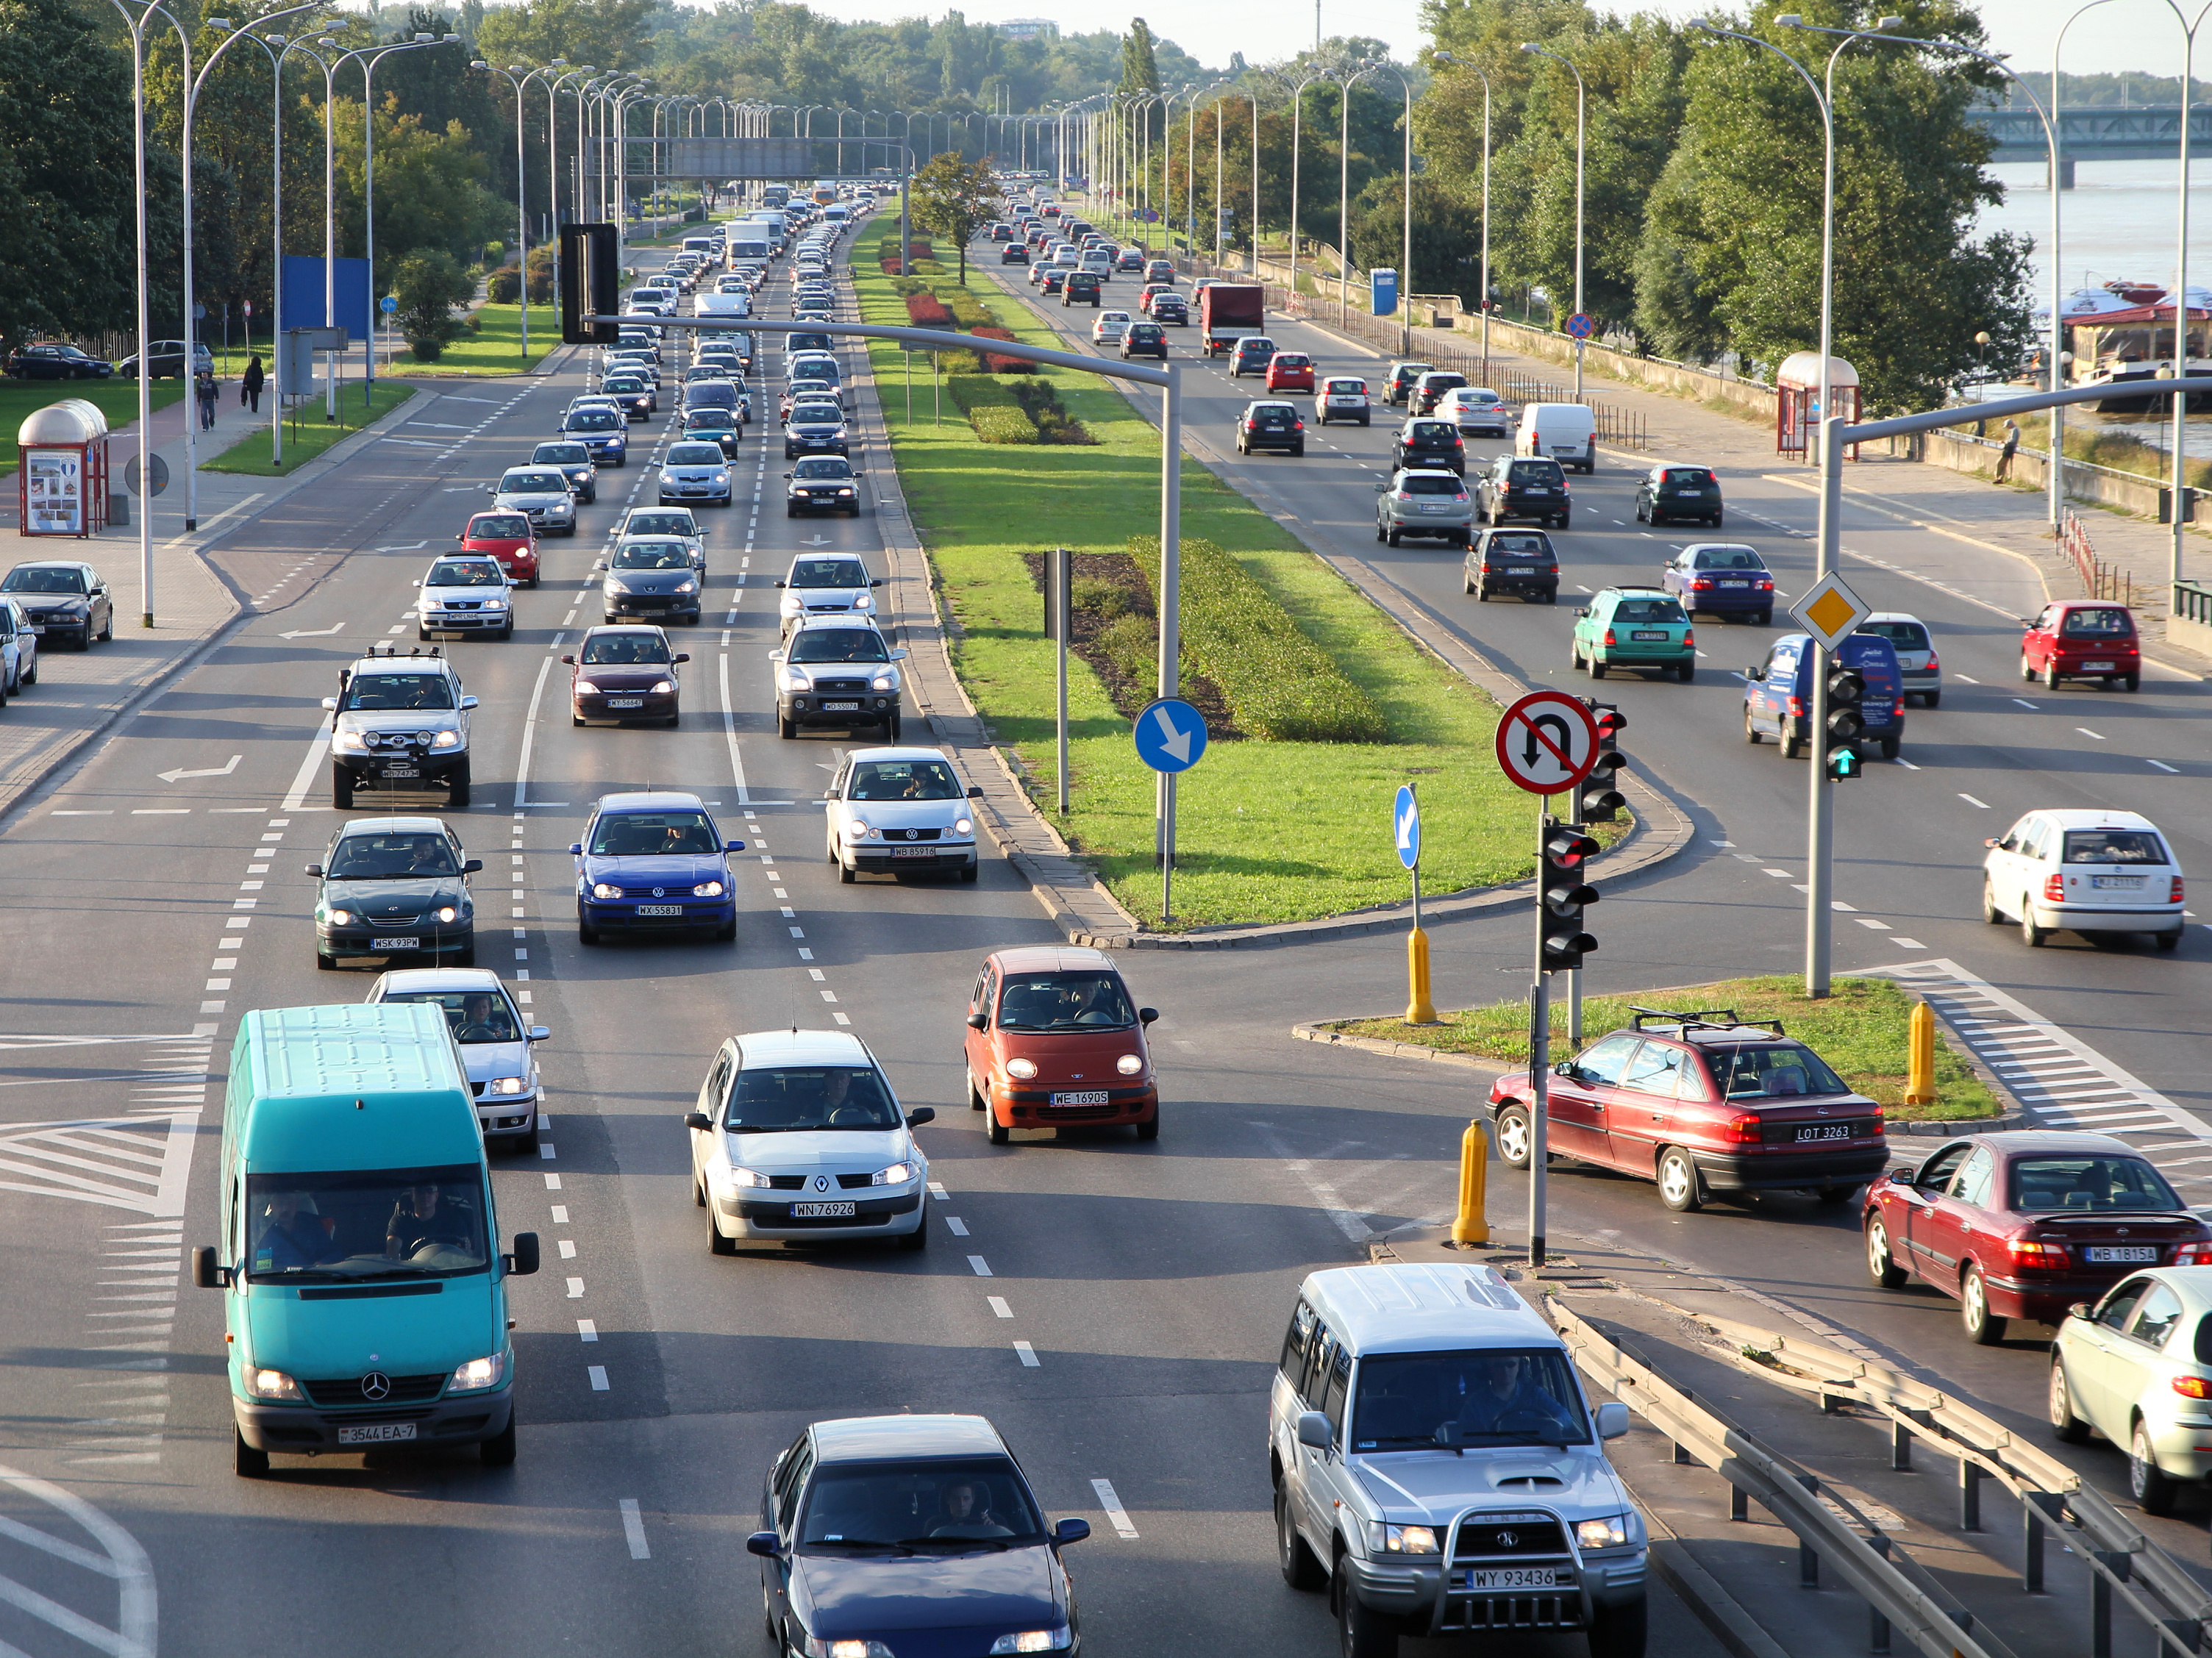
{"points": [[61, 477], [1797, 411]]}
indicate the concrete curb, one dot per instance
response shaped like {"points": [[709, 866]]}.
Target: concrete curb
{"points": [[1315, 1033]]}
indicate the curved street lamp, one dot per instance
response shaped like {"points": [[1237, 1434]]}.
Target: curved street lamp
{"points": [[1582, 133], [1476, 70], [516, 74], [1344, 196], [1406, 257]]}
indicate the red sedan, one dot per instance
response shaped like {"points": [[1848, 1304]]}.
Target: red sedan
{"points": [[2083, 639], [1290, 371], [508, 537]]}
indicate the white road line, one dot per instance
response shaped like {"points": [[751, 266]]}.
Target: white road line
{"points": [[633, 1522], [2023, 702], [2162, 765], [1117, 1515], [983, 1267], [999, 1302], [1027, 1354], [729, 734], [529, 734], [304, 779], [575, 1289], [1971, 801], [587, 1330], [599, 1375], [2086, 731], [959, 1226]]}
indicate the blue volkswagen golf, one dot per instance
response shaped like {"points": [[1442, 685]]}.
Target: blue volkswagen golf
{"points": [[654, 863], [915, 1536]]}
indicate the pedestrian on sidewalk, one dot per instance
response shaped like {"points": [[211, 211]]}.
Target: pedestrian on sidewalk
{"points": [[203, 391], [249, 383], [2011, 446]]}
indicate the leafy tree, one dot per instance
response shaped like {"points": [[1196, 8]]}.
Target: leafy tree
{"points": [[428, 285], [953, 199], [1141, 70]]}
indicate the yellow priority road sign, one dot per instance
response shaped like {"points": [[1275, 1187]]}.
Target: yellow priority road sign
{"points": [[1830, 611]]}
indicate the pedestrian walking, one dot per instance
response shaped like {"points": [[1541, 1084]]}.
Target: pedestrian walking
{"points": [[2011, 446], [250, 384], [204, 392]]}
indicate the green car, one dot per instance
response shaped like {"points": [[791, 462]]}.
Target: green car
{"points": [[1633, 628]]}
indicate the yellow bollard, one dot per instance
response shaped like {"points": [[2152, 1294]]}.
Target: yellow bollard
{"points": [[1419, 1010], [1473, 1175], [1920, 1071]]}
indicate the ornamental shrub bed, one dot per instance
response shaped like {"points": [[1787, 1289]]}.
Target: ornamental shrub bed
{"points": [[969, 393], [1003, 425]]}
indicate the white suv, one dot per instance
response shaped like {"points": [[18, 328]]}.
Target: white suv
{"points": [[1409, 1396], [2086, 872]]}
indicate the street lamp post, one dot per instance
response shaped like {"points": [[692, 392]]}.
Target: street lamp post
{"points": [[1298, 112], [2189, 28], [516, 75], [1405, 254], [1581, 128], [2055, 355], [1344, 196], [368, 186], [1462, 62]]}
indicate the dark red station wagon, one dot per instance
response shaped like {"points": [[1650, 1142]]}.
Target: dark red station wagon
{"points": [[1703, 1103], [2024, 1225]]}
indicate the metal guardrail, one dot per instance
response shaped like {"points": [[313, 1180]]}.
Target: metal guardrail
{"points": [[2129, 1569], [2192, 603], [1900, 1596], [2099, 579]]}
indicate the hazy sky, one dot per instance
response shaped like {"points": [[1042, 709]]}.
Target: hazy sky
{"points": [[2123, 34]]}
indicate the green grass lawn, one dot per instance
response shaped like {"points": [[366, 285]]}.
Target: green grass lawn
{"points": [[494, 349], [310, 435], [1266, 831], [1859, 1030], [116, 400]]}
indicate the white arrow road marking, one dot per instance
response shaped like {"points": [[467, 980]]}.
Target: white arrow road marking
{"points": [[211, 771], [818, 541], [312, 632], [1173, 738], [414, 546]]}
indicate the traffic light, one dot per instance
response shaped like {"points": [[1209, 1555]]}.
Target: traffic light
{"points": [[1561, 894], [590, 277], [1844, 764], [1846, 691], [1599, 800]]}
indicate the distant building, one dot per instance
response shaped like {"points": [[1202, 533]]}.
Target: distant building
{"points": [[1030, 29]]}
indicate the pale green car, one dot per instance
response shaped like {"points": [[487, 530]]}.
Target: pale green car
{"points": [[1640, 627]]}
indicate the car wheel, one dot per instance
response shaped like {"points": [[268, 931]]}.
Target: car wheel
{"points": [[1881, 1265], [971, 872], [1750, 731], [789, 511], [245, 1461], [325, 964], [1362, 1632], [786, 729], [1788, 738], [2067, 1427], [1766, 618], [108, 631], [2026, 668], [2170, 941], [919, 1238], [1299, 451], [2031, 934], [1394, 535], [1481, 591], [1378, 536], [1511, 1132], [1150, 1128], [1565, 521], [586, 934], [457, 788], [498, 1451], [341, 788], [1596, 669], [2133, 682], [1990, 912], [2050, 675], [1681, 1188], [999, 1132], [1930, 699], [1619, 1631], [1299, 1568], [847, 874], [2153, 1490], [1984, 1328], [716, 1243], [1686, 671]]}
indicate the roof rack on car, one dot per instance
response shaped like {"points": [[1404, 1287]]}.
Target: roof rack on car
{"points": [[1703, 1018]]}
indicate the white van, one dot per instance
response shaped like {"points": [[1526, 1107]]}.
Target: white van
{"points": [[1564, 432], [723, 304]]}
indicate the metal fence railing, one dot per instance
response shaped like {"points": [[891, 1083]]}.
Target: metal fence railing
{"points": [[2099, 579]]}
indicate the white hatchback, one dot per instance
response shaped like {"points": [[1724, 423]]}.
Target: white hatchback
{"points": [[901, 812], [464, 593], [2086, 872], [797, 1137], [1342, 397], [1110, 328]]}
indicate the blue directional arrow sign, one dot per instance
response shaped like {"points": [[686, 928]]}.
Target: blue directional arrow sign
{"points": [[1170, 735], [1406, 824]]}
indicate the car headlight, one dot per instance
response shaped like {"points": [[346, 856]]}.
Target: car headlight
{"points": [[722, 478], [508, 1085], [741, 1178], [884, 681], [341, 918], [446, 740], [1402, 1539], [897, 1174], [601, 889], [663, 686], [562, 507], [271, 1384], [963, 826], [447, 912], [615, 586], [1022, 1068], [494, 604], [1034, 1640], [478, 1373], [708, 889], [857, 830], [795, 681], [1129, 1065], [687, 586], [818, 1647], [1611, 1533], [587, 689]]}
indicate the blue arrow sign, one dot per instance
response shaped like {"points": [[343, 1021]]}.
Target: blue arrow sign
{"points": [[1406, 824], [1170, 735], [391, 304]]}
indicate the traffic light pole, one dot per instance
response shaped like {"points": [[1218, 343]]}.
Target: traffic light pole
{"points": [[1540, 1055], [1820, 814]]}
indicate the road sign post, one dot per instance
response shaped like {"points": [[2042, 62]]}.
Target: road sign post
{"points": [[1170, 738], [1406, 830], [1059, 622]]}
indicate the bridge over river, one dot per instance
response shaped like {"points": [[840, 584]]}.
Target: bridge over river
{"points": [[2099, 132]]}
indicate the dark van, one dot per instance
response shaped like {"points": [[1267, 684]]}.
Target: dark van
{"points": [[1778, 694]]}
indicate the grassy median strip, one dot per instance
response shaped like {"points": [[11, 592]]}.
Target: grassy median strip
{"points": [[493, 346], [307, 433], [1267, 831], [1861, 1031]]}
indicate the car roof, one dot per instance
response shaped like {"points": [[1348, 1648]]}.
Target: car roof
{"points": [[414, 663], [873, 1438], [646, 799], [898, 752], [1415, 1307], [2090, 817], [1429, 472], [827, 553], [2050, 1142], [1891, 616], [819, 619], [1620, 588], [415, 825], [1050, 958], [48, 564], [1724, 547], [441, 978], [796, 1047]]}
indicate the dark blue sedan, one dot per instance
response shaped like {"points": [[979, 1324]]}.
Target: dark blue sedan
{"points": [[602, 431], [912, 1535], [654, 863], [1723, 578]]}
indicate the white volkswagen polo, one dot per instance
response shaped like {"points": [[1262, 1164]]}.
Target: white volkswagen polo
{"points": [[901, 812]]}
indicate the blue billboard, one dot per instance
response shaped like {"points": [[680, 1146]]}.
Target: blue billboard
{"points": [[303, 295]]}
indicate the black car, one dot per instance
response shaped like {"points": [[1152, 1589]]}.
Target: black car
{"points": [[1170, 309], [649, 581], [794, 344], [1428, 443], [1271, 426], [1518, 561], [395, 887], [1084, 287], [1050, 283], [1142, 339], [57, 362], [63, 599], [1013, 253], [633, 395], [814, 428], [1524, 486], [714, 426], [574, 460], [823, 484], [1678, 492]]}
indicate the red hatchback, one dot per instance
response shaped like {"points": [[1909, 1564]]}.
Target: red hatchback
{"points": [[1055, 1039], [2083, 639], [508, 537], [1703, 1103], [2024, 1225], [1290, 371]]}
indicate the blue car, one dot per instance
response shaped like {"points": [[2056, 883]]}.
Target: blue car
{"points": [[1722, 578], [1778, 694], [654, 863], [602, 431], [912, 1535]]}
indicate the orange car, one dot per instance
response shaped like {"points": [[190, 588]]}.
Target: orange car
{"points": [[1290, 371], [1054, 1037]]}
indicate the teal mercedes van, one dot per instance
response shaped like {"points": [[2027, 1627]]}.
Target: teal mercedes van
{"points": [[365, 1294]]}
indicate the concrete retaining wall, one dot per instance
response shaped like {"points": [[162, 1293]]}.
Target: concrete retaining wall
{"points": [[1962, 451], [1657, 372]]}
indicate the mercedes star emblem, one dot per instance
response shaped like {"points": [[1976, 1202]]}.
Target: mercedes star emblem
{"points": [[375, 1386]]}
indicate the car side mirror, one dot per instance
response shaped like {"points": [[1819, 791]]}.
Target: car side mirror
{"points": [[600, 565], [974, 792], [778, 580], [700, 1120], [2079, 1309], [1584, 612], [522, 1263], [1146, 1015], [206, 1275], [472, 866], [921, 1114], [733, 846], [1904, 1174], [414, 584], [766, 1545], [1314, 1431], [1992, 843], [459, 535], [1754, 672], [314, 869], [1611, 1420], [576, 849], [1381, 489], [539, 1033], [1070, 1530], [467, 702], [776, 655], [899, 655], [682, 656], [979, 1022], [570, 660], [1564, 1068], [876, 582], [330, 705]]}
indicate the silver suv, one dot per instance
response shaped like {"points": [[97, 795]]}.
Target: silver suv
{"points": [[1422, 501], [1432, 1453], [836, 670], [401, 721]]}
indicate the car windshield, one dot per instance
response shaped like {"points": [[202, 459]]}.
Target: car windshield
{"points": [[391, 856], [473, 1016], [606, 650], [1727, 558], [1441, 382], [1082, 999], [694, 454], [1771, 1070], [595, 419], [709, 419], [2099, 623], [889, 1505], [650, 555], [1292, 360], [1682, 476], [829, 466], [1904, 636], [378, 692], [653, 834], [1423, 1401], [816, 414], [803, 387], [528, 483], [660, 524], [2094, 1186], [2114, 847], [1533, 472], [774, 1099], [561, 454], [838, 645], [828, 572], [1648, 610], [499, 527], [623, 383], [30, 578], [1346, 388], [903, 779], [464, 573], [350, 1225]]}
